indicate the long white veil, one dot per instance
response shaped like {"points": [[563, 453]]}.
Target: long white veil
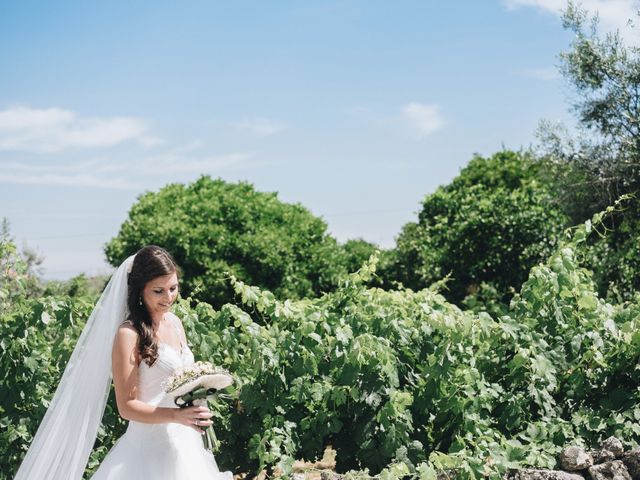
{"points": [[61, 447]]}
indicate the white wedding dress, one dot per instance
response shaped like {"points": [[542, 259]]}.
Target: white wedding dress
{"points": [[162, 451]]}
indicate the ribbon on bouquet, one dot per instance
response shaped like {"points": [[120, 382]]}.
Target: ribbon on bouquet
{"points": [[199, 397]]}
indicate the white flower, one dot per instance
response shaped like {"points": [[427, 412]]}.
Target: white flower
{"points": [[188, 373]]}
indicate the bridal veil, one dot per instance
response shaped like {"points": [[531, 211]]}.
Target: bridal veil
{"points": [[61, 447]]}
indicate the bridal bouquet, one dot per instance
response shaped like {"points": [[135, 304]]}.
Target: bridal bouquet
{"points": [[197, 385]]}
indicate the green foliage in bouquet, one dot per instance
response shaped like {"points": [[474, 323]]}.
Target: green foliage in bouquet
{"points": [[213, 227]]}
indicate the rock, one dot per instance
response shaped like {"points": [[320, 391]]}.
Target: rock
{"points": [[631, 460], [574, 458], [613, 445], [534, 474], [330, 476], [602, 456], [449, 474], [609, 471]]}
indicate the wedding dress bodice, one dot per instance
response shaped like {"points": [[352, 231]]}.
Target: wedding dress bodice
{"points": [[150, 378]]}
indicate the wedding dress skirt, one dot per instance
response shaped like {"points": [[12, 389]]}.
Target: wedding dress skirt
{"points": [[163, 451]]}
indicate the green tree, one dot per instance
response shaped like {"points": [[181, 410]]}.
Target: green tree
{"points": [[28, 260], [212, 227], [356, 252], [485, 229], [600, 163]]}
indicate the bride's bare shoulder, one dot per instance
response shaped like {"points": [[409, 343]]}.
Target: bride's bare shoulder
{"points": [[126, 340], [127, 334]]}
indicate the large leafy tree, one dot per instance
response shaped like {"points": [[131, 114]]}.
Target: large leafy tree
{"points": [[601, 162], [487, 228], [215, 228]]}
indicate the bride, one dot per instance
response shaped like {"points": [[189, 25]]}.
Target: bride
{"points": [[133, 337]]}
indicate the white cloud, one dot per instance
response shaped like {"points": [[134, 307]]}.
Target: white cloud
{"points": [[425, 119], [544, 73], [71, 167], [172, 164], [149, 142], [131, 174], [554, 6], [24, 118], [72, 180], [56, 129], [261, 127], [613, 14]]}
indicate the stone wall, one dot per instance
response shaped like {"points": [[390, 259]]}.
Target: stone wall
{"points": [[609, 461]]}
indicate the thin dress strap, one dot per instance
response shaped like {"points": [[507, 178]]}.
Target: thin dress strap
{"points": [[127, 322], [175, 324]]}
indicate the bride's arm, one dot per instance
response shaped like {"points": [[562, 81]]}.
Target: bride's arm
{"points": [[125, 379]]}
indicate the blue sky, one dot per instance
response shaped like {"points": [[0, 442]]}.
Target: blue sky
{"points": [[355, 109]]}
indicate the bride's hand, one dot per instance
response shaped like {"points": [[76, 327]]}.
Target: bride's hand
{"points": [[194, 417]]}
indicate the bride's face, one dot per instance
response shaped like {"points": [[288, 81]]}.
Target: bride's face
{"points": [[158, 294]]}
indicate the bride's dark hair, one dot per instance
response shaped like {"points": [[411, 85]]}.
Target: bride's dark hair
{"points": [[150, 262]]}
